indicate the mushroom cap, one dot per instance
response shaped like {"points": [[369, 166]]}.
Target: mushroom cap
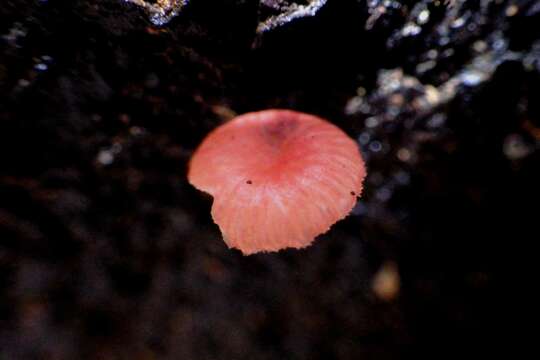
{"points": [[279, 178]]}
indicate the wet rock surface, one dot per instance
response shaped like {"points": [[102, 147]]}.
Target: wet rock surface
{"points": [[106, 252]]}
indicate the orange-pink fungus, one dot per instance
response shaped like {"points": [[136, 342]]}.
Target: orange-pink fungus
{"points": [[279, 178]]}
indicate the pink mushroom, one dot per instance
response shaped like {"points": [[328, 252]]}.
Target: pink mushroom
{"points": [[279, 178]]}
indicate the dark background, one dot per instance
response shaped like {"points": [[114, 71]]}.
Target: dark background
{"points": [[106, 252]]}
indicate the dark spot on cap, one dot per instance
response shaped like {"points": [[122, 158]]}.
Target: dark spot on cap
{"points": [[353, 193], [249, 182]]}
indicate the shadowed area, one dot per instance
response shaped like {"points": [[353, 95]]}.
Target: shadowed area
{"points": [[107, 252]]}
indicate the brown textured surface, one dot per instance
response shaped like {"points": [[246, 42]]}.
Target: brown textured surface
{"points": [[107, 253]]}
